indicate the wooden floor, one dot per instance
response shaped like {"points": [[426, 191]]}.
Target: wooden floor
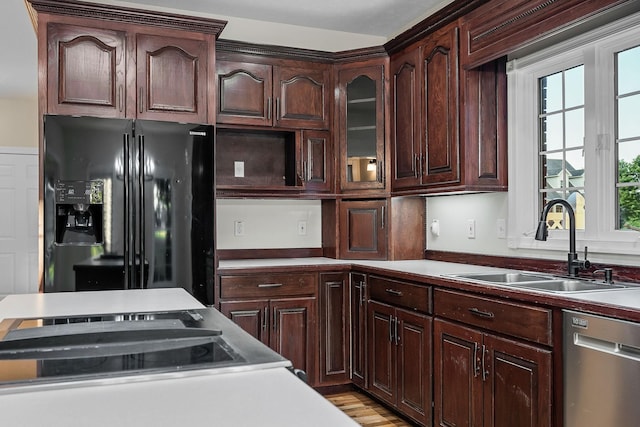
{"points": [[365, 411]]}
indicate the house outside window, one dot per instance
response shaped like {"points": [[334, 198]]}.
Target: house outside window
{"points": [[627, 71], [561, 131], [574, 134]]}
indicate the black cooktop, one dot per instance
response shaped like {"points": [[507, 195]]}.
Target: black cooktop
{"points": [[79, 347]]}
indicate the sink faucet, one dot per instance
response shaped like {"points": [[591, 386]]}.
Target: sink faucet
{"points": [[573, 263]]}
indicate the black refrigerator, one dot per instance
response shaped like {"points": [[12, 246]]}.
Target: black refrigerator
{"points": [[128, 204]]}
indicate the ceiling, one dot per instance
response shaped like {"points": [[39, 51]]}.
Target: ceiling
{"points": [[374, 17], [384, 18]]}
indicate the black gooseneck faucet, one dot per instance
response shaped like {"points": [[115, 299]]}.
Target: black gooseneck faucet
{"points": [[573, 263]]}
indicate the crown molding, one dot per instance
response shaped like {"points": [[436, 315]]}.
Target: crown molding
{"points": [[128, 15], [439, 19]]}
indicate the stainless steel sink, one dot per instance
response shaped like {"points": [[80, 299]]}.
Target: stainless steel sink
{"points": [[505, 277], [541, 282], [571, 286]]}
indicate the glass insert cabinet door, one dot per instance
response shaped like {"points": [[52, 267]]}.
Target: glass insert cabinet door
{"points": [[362, 128]]}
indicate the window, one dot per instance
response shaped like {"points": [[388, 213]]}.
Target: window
{"points": [[561, 130], [627, 97], [574, 133]]}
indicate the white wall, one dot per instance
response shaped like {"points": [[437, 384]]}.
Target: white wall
{"points": [[453, 214], [454, 211], [269, 33], [268, 224], [19, 122]]}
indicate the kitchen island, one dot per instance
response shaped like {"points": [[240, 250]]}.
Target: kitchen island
{"points": [[266, 396]]}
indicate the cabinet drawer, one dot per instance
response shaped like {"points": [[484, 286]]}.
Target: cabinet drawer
{"points": [[268, 285], [400, 294], [523, 321]]}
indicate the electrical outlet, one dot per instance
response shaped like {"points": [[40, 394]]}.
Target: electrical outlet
{"points": [[501, 228], [238, 228], [302, 228], [471, 229]]}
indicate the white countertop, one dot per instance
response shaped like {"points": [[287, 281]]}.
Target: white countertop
{"points": [[629, 298], [267, 397], [97, 302], [422, 267], [281, 262], [272, 396]]}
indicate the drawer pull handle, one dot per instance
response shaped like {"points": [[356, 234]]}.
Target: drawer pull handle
{"points": [[481, 313], [269, 285], [394, 292]]}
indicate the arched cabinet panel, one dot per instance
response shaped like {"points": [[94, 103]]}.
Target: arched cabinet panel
{"points": [[273, 95], [86, 70], [441, 108], [105, 61], [244, 93], [302, 98], [171, 78], [361, 129]]}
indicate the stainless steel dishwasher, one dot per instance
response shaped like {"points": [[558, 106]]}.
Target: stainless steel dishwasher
{"points": [[601, 371]]}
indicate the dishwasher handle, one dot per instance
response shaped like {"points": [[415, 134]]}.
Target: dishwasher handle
{"points": [[609, 347]]}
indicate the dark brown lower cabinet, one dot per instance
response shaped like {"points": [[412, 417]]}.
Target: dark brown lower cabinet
{"points": [[400, 359], [358, 298], [481, 379], [333, 299], [286, 325]]}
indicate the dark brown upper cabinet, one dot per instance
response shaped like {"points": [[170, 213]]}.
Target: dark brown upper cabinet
{"points": [[316, 162], [171, 78], [441, 103], [269, 95], [425, 117], [244, 93], [131, 63], [273, 161], [405, 120], [499, 27], [86, 71], [361, 127], [448, 124]]}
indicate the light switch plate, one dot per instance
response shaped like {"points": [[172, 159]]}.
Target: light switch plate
{"points": [[238, 169], [501, 228]]}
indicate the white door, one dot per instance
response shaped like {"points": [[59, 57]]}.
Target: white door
{"points": [[18, 221]]}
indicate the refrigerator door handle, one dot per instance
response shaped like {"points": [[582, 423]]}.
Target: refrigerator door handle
{"points": [[127, 207], [141, 217]]}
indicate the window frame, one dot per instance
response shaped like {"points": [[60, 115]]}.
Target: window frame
{"points": [[595, 47]]}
